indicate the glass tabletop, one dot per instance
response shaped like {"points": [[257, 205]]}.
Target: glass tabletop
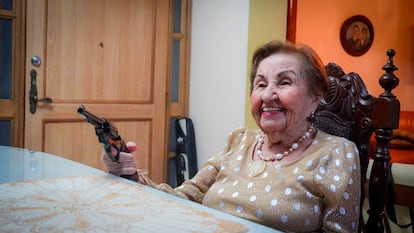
{"points": [[18, 164]]}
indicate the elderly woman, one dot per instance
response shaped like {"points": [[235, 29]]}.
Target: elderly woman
{"points": [[288, 175]]}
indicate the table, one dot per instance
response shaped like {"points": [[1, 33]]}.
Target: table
{"points": [[40, 192]]}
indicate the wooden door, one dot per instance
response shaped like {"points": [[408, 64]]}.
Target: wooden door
{"points": [[110, 56], [11, 70]]}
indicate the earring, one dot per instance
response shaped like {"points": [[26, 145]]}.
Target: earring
{"points": [[311, 118]]}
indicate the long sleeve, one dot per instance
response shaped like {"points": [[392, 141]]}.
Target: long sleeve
{"points": [[195, 188], [341, 190]]}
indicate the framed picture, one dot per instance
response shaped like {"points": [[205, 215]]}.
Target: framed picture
{"points": [[357, 35]]}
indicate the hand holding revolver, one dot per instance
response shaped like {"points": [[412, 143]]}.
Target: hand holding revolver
{"points": [[126, 165], [116, 154]]}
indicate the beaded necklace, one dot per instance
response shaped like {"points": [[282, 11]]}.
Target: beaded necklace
{"points": [[256, 167], [308, 133]]}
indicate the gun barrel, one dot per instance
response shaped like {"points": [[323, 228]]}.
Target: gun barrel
{"points": [[90, 117]]}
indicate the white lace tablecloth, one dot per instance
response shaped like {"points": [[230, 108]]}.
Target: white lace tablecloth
{"points": [[99, 204]]}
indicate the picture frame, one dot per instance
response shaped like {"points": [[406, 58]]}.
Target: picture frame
{"points": [[357, 35]]}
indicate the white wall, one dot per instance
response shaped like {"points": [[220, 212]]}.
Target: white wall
{"points": [[218, 72]]}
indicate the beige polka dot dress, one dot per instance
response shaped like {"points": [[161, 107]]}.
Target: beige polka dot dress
{"points": [[320, 192]]}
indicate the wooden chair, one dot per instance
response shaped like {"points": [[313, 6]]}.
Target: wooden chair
{"points": [[350, 111]]}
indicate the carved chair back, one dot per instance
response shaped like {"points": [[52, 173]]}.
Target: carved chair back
{"points": [[350, 111]]}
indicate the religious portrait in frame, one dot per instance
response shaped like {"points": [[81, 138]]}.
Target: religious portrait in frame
{"points": [[357, 35]]}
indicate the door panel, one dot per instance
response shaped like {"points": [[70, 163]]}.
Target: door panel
{"points": [[108, 55], [107, 40]]}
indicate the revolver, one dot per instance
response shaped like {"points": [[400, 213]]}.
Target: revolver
{"points": [[107, 135]]}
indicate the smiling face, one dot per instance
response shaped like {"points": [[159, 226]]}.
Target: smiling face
{"points": [[280, 98]]}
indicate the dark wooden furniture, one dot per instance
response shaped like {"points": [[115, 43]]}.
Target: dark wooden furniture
{"points": [[350, 111]]}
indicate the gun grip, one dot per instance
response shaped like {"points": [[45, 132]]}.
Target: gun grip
{"points": [[114, 148]]}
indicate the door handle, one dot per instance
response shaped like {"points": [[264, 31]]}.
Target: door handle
{"points": [[33, 98]]}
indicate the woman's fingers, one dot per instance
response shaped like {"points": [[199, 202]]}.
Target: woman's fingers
{"points": [[110, 166], [126, 157], [128, 170], [131, 146], [126, 165]]}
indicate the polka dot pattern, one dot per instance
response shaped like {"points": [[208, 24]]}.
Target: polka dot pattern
{"points": [[290, 197]]}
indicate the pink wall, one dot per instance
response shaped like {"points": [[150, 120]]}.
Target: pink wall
{"points": [[319, 23]]}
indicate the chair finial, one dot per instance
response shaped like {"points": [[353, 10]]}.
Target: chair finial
{"points": [[389, 80]]}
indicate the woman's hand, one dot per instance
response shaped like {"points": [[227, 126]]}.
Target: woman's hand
{"points": [[126, 165]]}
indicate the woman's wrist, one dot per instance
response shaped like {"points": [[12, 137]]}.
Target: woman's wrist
{"points": [[142, 176]]}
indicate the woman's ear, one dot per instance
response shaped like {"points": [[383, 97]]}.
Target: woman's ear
{"points": [[316, 98]]}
